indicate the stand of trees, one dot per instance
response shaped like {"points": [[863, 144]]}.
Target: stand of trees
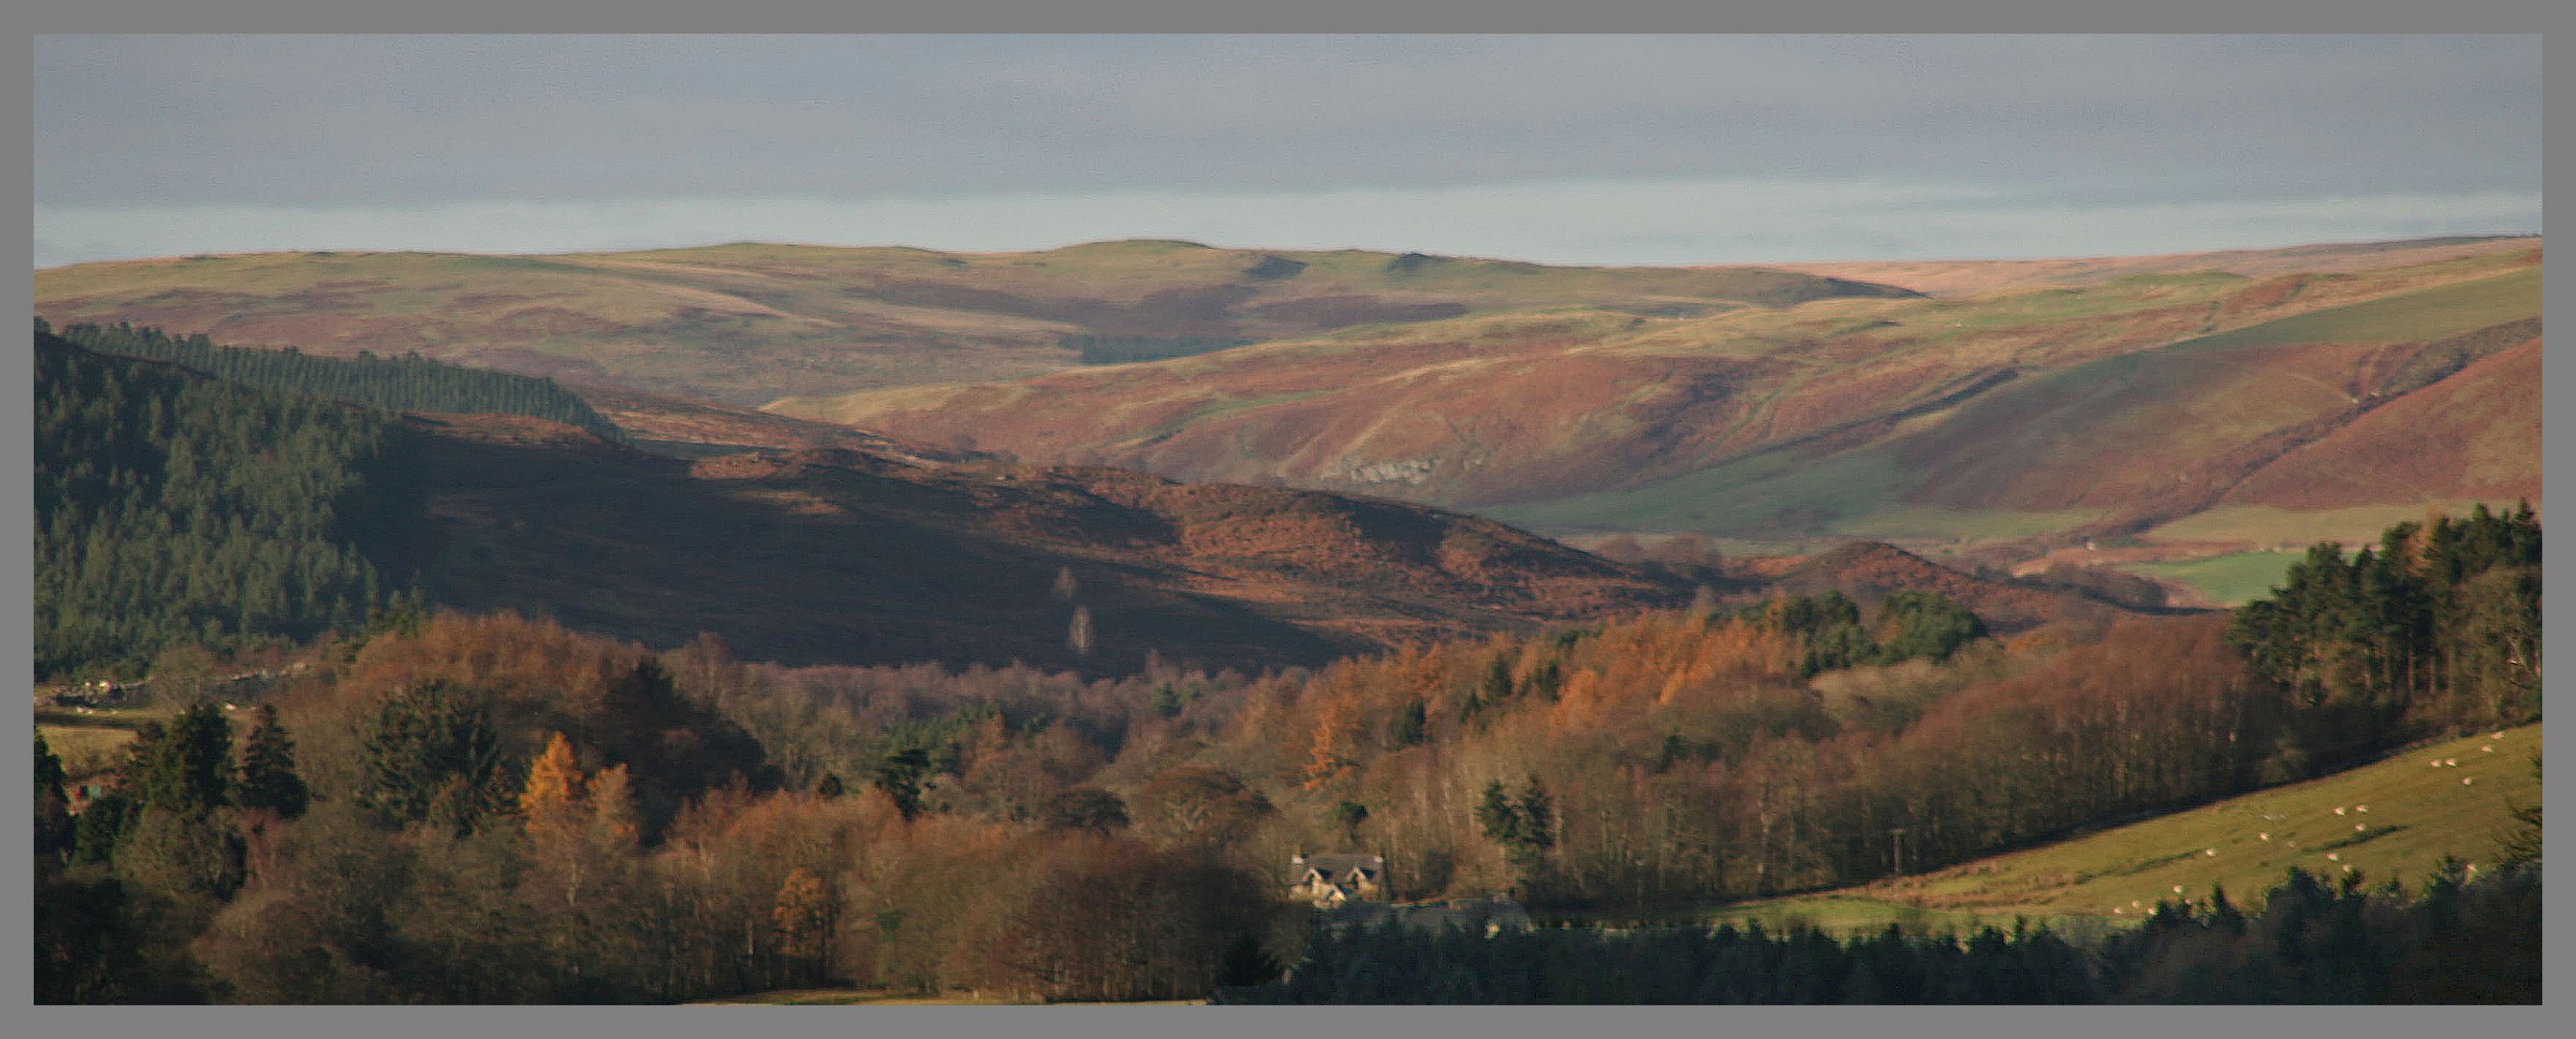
{"points": [[175, 510], [407, 383], [2436, 630], [494, 809], [2456, 943]]}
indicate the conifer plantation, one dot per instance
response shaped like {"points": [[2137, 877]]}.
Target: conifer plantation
{"points": [[173, 510]]}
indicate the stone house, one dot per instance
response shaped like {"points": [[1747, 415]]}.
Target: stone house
{"points": [[1331, 880]]}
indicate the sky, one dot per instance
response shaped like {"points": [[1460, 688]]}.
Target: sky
{"points": [[1556, 149]]}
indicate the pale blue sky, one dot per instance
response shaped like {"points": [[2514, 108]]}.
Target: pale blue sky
{"points": [[1581, 149]]}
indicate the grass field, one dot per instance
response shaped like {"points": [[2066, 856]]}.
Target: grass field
{"points": [[2409, 814], [2429, 314], [2299, 528], [2229, 580]]}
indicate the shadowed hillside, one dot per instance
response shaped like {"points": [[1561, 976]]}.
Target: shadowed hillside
{"points": [[841, 556]]}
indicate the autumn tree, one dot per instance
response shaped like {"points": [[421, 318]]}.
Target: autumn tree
{"points": [[803, 917], [1085, 808], [1199, 802]]}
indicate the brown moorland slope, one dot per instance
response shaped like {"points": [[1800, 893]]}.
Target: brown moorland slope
{"points": [[2058, 412], [841, 556], [2474, 434], [745, 324]]}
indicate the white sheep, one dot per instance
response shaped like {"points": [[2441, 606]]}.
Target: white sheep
{"points": [[2468, 780], [2347, 867], [2488, 749], [2264, 836], [2451, 762], [2334, 856], [2338, 811], [2358, 827], [2363, 809], [2211, 852], [2177, 889]]}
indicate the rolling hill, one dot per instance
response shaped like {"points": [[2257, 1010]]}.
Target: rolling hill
{"points": [[2065, 413], [746, 324], [2179, 407]]}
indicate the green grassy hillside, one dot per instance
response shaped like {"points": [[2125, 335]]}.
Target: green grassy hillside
{"points": [[2391, 820]]}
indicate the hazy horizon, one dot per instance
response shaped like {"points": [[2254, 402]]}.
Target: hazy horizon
{"points": [[1595, 150]]}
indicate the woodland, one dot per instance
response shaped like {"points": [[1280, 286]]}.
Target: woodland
{"points": [[445, 806]]}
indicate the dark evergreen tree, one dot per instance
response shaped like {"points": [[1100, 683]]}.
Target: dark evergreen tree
{"points": [[900, 774], [430, 744], [268, 778]]}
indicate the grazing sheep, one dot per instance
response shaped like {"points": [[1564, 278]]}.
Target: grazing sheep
{"points": [[2363, 809], [2347, 867], [2358, 827], [2117, 911], [2495, 735], [2211, 852], [2334, 856], [2338, 811], [2264, 836], [2177, 889], [2451, 762], [2468, 780], [2488, 749]]}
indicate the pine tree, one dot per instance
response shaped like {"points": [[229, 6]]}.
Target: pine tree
{"points": [[428, 740], [187, 768], [268, 778]]}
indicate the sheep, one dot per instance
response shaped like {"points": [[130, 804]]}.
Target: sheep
{"points": [[2488, 749], [2451, 762], [2177, 889], [2338, 811], [2334, 856], [2468, 780], [2358, 827], [2347, 867], [2213, 852], [2497, 735], [2264, 836], [2363, 809]]}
